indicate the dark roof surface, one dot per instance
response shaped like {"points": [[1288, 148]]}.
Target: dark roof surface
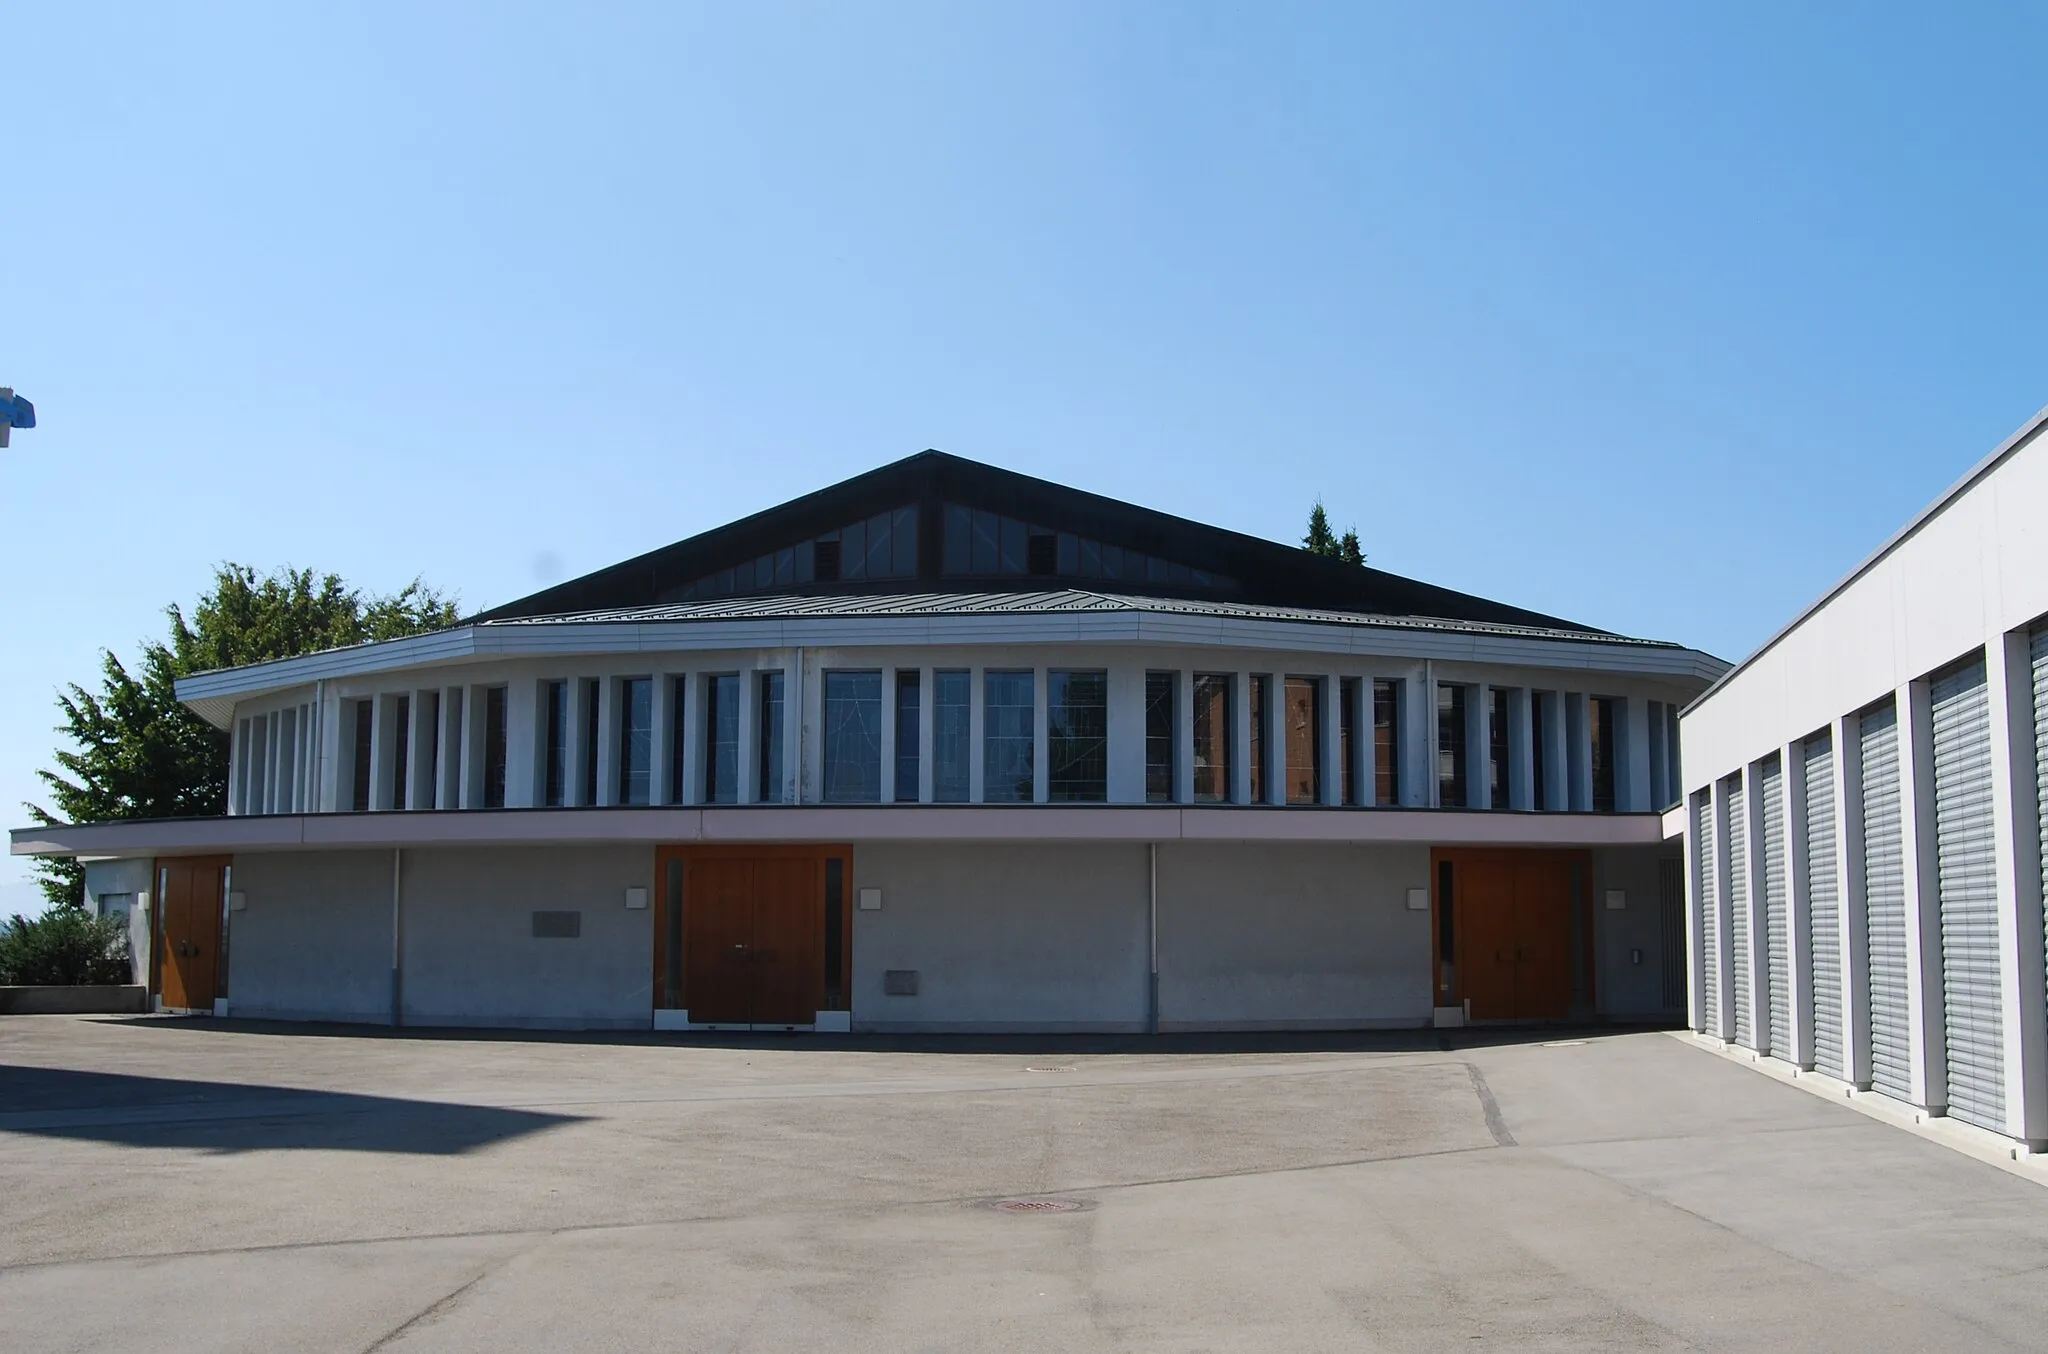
{"points": [[1242, 569], [1041, 602]]}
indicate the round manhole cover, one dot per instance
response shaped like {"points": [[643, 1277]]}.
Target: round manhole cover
{"points": [[1037, 1205]]}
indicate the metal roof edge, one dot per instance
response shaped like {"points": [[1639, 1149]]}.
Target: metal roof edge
{"points": [[1999, 455]]}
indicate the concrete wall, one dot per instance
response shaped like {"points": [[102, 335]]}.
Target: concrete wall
{"points": [[1003, 937], [313, 941], [1622, 987], [1291, 937], [132, 879], [471, 957]]}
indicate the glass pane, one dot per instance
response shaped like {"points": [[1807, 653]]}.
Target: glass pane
{"points": [[952, 732], [1257, 716], [853, 551], [722, 739], [592, 731], [1497, 749], [764, 572], [1077, 736], [494, 748], [1304, 741], [677, 768], [906, 736], [879, 556], [785, 567], [768, 777], [958, 545], [853, 737], [1600, 714], [1007, 728], [1450, 746], [1212, 737], [903, 538], [1069, 561], [636, 740], [557, 778], [1159, 737], [1347, 739], [1015, 547], [988, 530], [1113, 563], [1091, 559], [806, 562], [1386, 743]]}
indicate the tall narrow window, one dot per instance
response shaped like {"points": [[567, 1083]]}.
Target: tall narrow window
{"points": [[359, 788], [494, 748], [722, 739], [1304, 718], [853, 737], [1386, 742], [1257, 716], [430, 714], [678, 763], [555, 782], [1159, 737], [1076, 735], [1497, 750], [591, 727], [1212, 737], [636, 740], [1347, 738], [1600, 713], [1539, 747], [952, 735], [1008, 728], [1450, 745], [906, 735], [768, 741], [401, 747]]}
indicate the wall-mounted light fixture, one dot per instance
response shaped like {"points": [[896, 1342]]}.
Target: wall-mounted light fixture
{"points": [[871, 900], [1418, 900], [636, 898]]}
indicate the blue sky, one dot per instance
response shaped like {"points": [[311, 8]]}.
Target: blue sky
{"points": [[1573, 306]]}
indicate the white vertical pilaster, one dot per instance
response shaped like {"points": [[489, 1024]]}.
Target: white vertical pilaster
{"points": [[1853, 915], [1276, 738], [1041, 704], [1579, 750], [472, 772], [607, 749], [1240, 738], [1757, 997], [522, 744], [747, 787], [274, 724], [381, 745], [1418, 740], [976, 782], [2015, 817], [1330, 702], [1924, 1003], [661, 755], [696, 733], [1184, 736], [1797, 1042], [1521, 750], [1127, 733], [1478, 746], [1557, 760], [887, 790], [1368, 742]]}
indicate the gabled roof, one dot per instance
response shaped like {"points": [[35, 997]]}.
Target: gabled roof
{"points": [[1209, 563]]}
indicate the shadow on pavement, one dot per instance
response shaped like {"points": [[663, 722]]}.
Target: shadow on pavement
{"points": [[138, 1111]]}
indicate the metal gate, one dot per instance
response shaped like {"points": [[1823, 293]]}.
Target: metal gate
{"points": [[1966, 861], [1710, 912], [1884, 897], [1738, 907], [1823, 905], [1777, 1039]]}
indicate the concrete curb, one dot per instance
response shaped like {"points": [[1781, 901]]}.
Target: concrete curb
{"points": [[1993, 1149]]}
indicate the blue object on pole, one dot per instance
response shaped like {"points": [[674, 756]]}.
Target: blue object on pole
{"points": [[18, 413]]}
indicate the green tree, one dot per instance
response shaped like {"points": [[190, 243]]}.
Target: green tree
{"points": [[1322, 541], [136, 752]]}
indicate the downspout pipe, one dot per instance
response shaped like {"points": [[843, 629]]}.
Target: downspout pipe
{"points": [[397, 938]]}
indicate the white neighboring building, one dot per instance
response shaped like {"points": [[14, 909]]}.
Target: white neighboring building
{"points": [[1863, 816], [942, 747]]}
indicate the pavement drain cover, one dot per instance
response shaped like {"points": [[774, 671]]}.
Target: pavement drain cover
{"points": [[1052, 1069], [1038, 1205]]}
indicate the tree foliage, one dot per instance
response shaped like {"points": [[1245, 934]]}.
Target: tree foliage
{"points": [[136, 752], [1323, 541]]}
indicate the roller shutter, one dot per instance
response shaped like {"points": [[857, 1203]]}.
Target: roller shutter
{"points": [[1738, 907], [1884, 895], [1823, 905], [2040, 653], [1966, 860], [1710, 912], [1777, 1039]]}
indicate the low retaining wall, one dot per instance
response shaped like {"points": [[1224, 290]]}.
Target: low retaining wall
{"points": [[86, 1000]]}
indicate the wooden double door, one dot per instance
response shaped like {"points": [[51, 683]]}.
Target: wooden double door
{"points": [[191, 891], [1511, 931], [754, 937]]}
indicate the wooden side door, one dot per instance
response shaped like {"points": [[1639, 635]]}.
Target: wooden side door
{"points": [[1543, 937], [718, 939], [1484, 917], [789, 930], [189, 930]]}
